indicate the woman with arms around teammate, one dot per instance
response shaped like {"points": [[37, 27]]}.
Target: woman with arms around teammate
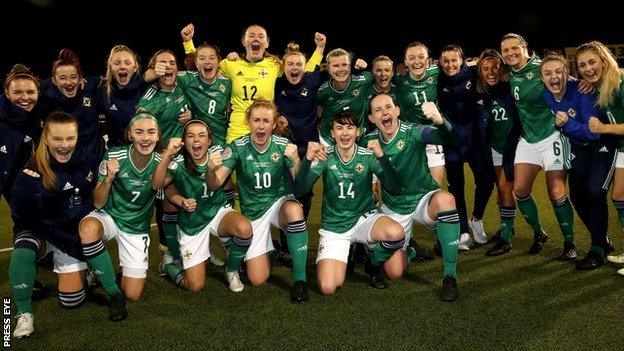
{"points": [[51, 195], [596, 64], [261, 160], [204, 212], [499, 125], [541, 146]]}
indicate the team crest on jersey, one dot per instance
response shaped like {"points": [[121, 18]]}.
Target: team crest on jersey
{"points": [[529, 75], [430, 80], [86, 102], [321, 247], [275, 157], [222, 88], [172, 165], [359, 168], [227, 153], [572, 112], [400, 144], [304, 91], [263, 73], [468, 85], [90, 176], [102, 168], [356, 92]]}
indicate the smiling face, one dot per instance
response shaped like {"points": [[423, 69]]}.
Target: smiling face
{"points": [[255, 41], [451, 62], [345, 133], [143, 134], [196, 141], [383, 73], [340, 68], [384, 114], [294, 68], [167, 82], [514, 52], [590, 66], [207, 63], [554, 75], [417, 60], [61, 139], [261, 122], [123, 67], [23, 92], [490, 71], [67, 80]]}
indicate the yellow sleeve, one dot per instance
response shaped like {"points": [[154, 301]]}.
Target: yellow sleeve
{"points": [[189, 48], [315, 60]]}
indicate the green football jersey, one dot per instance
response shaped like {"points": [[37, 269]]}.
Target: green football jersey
{"points": [[499, 126], [347, 189], [131, 199], [407, 154], [353, 98], [615, 110], [193, 186], [166, 106], [208, 102], [413, 93], [527, 90], [261, 176]]}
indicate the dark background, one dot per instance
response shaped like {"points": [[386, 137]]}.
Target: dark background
{"points": [[35, 30]]}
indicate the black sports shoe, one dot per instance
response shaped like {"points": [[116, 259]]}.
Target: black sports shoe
{"points": [[538, 239], [360, 253], [117, 308], [496, 237], [375, 277], [569, 252], [422, 254], [40, 290], [449, 292], [299, 292], [501, 247], [591, 261]]}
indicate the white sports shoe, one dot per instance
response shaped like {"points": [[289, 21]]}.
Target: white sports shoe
{"points": [[166, 259], [24, 326], [465, 241], [234, 281], [621, 271], [478, 233], [616, 258]]}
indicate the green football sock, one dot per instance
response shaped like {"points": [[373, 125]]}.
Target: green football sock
{"points": [[237, 250], [297, 240], [528, 208], [22, 274], [448, 234], [565, 217]]}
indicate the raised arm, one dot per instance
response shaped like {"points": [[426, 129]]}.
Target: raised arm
{"points": [[305, 179], [384, 170], [104, 185], [317, 57], [161, 177], [216, 172]]}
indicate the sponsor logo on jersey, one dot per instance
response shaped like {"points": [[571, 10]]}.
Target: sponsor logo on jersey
{"points": [[125, 175], [113, 107], [86, 102], [239, 74], [572, 112], [400, 144], [275, 157], [603, 149], [167, 99], [480, 102], [445, 90], [3, 149], [27, 138], [333, 167], [249, 158], [283, 93], [68, 186], [359, 168]]}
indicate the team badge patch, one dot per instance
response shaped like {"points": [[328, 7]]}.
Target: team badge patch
{"points": [[530, 75], [102, 168], [275, 157], [187, 255], [430, 80], [172, 165], [304, 91], [227, 153], [86, 102], [356, 92], [263, 73], [89, 176], [359, 168], [400, 144], [222, 88], [468, 85], [321, 247], [572, 112]]}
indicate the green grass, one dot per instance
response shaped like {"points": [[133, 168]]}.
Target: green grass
{"points": [[516, 301]]}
